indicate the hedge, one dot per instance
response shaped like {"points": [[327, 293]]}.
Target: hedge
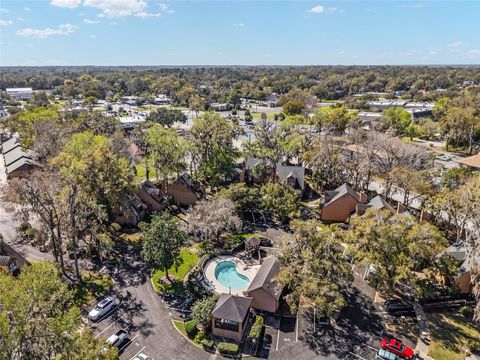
{"points": [[191, 328], [207, 343], [227, 348], [256, 329]]}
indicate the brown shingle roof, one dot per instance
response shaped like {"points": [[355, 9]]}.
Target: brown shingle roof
{"points": [[231, 307], [265, 278], [472, 161]]}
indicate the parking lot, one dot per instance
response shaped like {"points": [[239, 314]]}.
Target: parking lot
{"points": [[116, 320]]}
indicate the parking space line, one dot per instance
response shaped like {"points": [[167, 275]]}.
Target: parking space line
{"points": [[109, 326], [278, 337], [137, 353], [296, 329], [370, 347]]}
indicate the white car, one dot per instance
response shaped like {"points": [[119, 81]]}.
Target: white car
{"points": [[102, 308], [141, 356]]}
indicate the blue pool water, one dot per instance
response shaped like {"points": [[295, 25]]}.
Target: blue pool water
{"points": [[227, 275]]}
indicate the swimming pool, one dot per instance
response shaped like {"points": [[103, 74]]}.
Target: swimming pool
{"points": [[226, 273]]}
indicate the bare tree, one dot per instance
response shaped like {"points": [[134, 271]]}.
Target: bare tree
{"points": [[208, 220], [39, 193]]}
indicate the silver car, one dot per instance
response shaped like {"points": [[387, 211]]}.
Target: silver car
{"points": [[102, 308]]}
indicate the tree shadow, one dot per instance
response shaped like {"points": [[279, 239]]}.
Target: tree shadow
{"points": [[358, 324]]}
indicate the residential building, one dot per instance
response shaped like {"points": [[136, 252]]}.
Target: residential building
{"points": [[152, 196], [377, 203], [472, 162], [20, 94], [339, 204], [264, 289], [18, 162], [293, 175], [230, 316], [185, 191], [162, 99], [219, 107], [463, 279], [271, 101], [10, 260], [129, 211]]}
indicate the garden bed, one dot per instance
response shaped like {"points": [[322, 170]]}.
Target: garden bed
{"points": [[190, 259]]}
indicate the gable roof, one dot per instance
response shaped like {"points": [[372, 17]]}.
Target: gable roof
{"points": [[4, 260], [265, 278], [344, 189], [286, 171], [472, 161], [378, 202], [10, 144], [232, 307], [14, 155], [191, 184], [19, 163]]}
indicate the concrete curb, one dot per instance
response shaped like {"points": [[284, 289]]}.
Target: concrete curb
{"points": [[186, 337]]}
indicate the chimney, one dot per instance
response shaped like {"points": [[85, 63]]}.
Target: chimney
{"points": [[362, 198], [400, 208]]}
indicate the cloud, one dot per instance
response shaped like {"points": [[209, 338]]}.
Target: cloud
{"points": [[474, 52], [145, 14], [3, 11], [163, 6], [239, 25], [93, 36], [71, 4], [117, 8], [456, 44], [64, 29], [27, 9], [320, 9], [6, 22], [89, 21]]}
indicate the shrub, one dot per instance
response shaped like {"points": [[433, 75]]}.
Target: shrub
{"points": [[30, 233], [116, 227], [473, 345], [199, 337], [256, 329], [24, 226], [466, 311], [227, 348], [207, 343], [191, 328]]}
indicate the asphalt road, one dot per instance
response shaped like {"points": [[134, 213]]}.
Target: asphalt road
{"points": [[146, 315]]}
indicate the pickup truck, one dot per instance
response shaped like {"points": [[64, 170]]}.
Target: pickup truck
{"points": [[117, 338]]}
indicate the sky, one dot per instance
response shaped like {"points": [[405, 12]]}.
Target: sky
{"points": [[150, 32]]}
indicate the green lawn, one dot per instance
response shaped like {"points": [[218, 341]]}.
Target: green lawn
{"points": [[142, 172], [190, 259], [450, 332], [180, 325], [270, 115], [93, 286]]}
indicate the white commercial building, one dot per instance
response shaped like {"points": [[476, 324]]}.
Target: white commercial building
{"points": [[20, 93]]}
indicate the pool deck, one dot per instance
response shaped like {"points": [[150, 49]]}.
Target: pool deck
{"points": [[241, 267]]}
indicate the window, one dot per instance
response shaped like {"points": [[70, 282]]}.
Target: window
{"points": [[227, 325]]}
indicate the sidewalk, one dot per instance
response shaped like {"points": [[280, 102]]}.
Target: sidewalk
{"points": [[422, 348]]}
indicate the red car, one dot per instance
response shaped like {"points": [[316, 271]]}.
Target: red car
{"points": [[396, 347]]}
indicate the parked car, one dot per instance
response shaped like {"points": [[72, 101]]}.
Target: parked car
{"points": [[102, 308], [399, 307], [141, 356], [386, 355], [396, 347], [117, 339]]}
